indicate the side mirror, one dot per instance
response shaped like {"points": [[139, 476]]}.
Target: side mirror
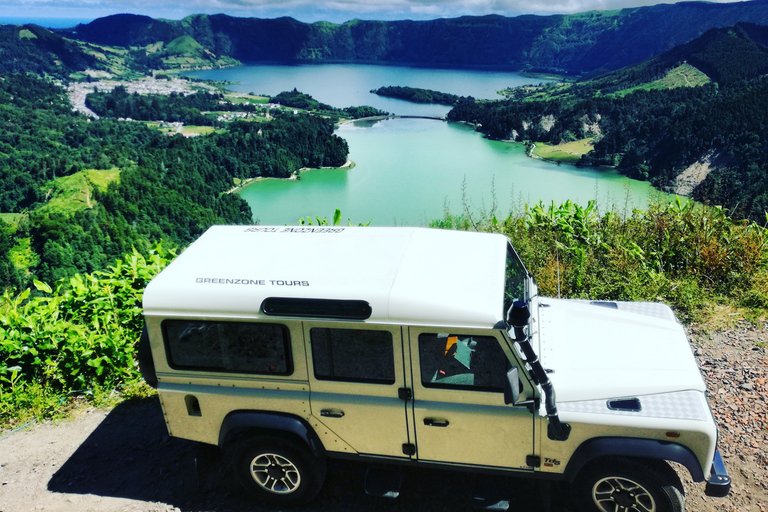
{"points": [[512, 387]]}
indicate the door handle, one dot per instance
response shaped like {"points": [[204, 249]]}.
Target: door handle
{"points": [[434, 422], [332, 413]]}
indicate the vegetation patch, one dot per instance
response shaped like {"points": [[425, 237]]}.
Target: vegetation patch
{"points": [[197, 130], [73, 193], [11, 218], [254, 99], [687, 255], [26, 34], [23, 256], [74, 341], [101, 178], [683, 75], [567, 152]]}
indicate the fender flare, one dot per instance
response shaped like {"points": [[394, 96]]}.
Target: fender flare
{"points": [[238, 421], [630, 447]]}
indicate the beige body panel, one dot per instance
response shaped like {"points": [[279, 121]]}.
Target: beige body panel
{"points": [[370, 417], [469, 427]]}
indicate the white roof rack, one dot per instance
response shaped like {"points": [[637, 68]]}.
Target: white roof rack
{"points": [[412, 276]]}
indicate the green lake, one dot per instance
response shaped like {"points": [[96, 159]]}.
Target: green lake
{"points": [[408, 171]]}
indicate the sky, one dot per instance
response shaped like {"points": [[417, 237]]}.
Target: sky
{"points": [[336, 11]]}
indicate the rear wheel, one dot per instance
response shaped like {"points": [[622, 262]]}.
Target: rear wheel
{"points": [[276, 470], [629, 485]]}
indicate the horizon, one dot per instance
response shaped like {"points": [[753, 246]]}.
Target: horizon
{"points": [[309, 12]]}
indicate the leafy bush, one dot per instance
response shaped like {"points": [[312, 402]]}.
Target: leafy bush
{"points": [[78, 336]]}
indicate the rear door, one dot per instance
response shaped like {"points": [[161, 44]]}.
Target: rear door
{"points": [[355, 376], [458, 408]]}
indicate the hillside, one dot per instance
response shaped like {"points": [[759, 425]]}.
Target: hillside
{"points": [[589, 42], [82, 192], [181, 53], [32, 49], [690, 120]]}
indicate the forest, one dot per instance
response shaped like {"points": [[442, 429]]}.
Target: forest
{"points": [[417, 95], [203, 108], [187, 109], [33, 49], [304, 101], [168, 188]]}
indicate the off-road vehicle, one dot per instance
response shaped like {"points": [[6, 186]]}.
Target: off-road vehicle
{"points": [[286, 346]]}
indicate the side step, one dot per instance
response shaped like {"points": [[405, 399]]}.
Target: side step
{"points": [[383, 481]]}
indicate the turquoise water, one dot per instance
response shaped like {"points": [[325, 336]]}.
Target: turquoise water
{"points": [[409, 171], [345, 85]]}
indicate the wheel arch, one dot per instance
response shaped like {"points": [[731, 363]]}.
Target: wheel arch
{"points": [[612, 447], [270, 423]]}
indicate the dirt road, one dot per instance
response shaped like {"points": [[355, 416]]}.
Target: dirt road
{"points": [[123, 461]]}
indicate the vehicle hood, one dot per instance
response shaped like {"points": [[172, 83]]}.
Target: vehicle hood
{"points": [[601, 350]]}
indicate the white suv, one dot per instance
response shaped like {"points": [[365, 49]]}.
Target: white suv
{"points": [[285, 346]]}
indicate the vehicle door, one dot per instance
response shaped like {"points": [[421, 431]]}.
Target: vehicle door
{"points": [[355, 375], [458, 408]]}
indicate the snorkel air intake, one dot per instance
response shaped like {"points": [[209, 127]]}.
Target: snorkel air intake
{"points": [[518, 319]]}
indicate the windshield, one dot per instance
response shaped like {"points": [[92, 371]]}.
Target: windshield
{"points": [[515, 287]]}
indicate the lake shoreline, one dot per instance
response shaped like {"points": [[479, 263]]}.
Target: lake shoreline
{"points": [[295, 176]]}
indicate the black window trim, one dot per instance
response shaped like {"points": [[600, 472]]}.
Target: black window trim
{"points": [[460, 387], [286, 345], [377, 382]]}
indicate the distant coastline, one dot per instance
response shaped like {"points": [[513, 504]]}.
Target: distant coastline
{"points": [[44, 22]]}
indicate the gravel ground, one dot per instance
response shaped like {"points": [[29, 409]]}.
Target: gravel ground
{"points": [[734, 366], [122, 460]]}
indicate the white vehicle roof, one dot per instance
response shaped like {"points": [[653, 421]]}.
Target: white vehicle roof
{"points": [[416, 276]]}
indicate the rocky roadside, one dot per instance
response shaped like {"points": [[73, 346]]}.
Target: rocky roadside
{"points": [[122, 460], [734, 365]]}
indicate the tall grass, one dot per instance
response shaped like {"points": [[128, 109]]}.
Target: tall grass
{"points": [[685, 254]]}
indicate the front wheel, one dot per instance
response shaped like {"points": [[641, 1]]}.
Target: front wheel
{"points": [[624, 485], [277, 471]]}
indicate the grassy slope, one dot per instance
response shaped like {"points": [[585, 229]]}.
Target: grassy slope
{"points": [[568, 153], [10, 218], [683, 75], [73, 193]]}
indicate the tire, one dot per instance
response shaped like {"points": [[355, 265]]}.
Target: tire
{"points": [[629, 485], [276, 470]]}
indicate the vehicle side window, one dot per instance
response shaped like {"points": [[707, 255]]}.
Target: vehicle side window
{"points": [[460, 361], [355, 355], [237, 347]]}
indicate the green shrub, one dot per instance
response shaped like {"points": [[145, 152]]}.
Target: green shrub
{"points": [[76, 337]]}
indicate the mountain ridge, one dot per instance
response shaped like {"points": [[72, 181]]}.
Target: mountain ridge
{"points": [[592, 42]]}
